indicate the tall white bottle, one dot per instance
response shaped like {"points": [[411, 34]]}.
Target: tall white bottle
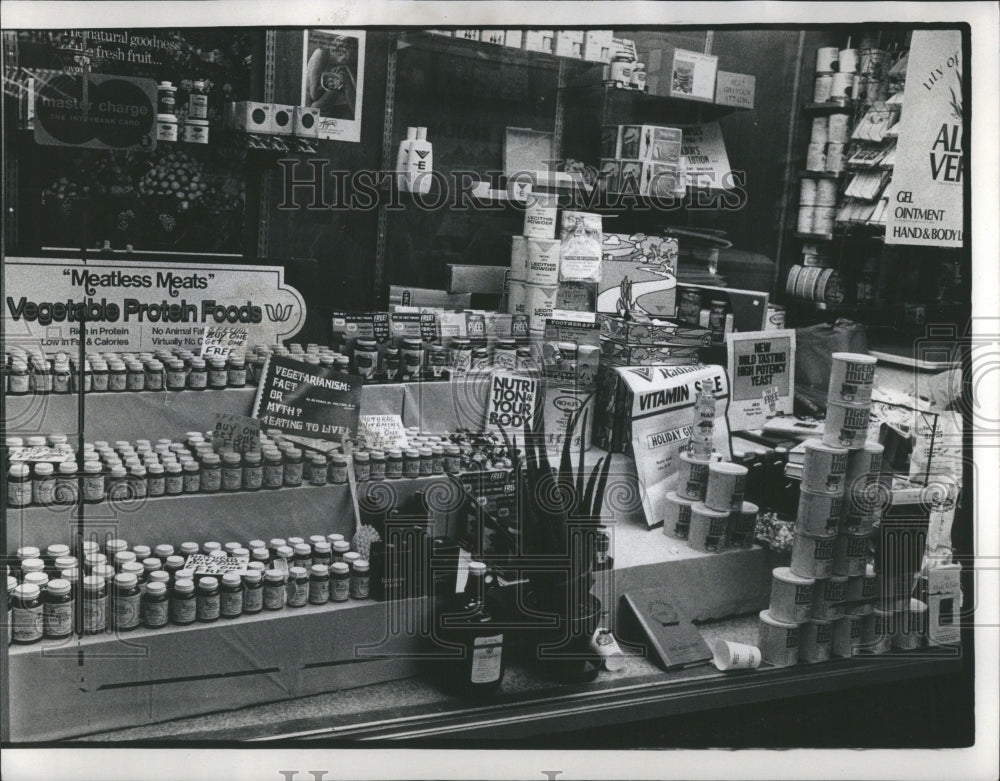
{"points": [[420, 163], [402, 158]]}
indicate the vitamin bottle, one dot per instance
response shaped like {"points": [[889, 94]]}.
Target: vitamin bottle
{"points": [[274, 589], [303, 555], [43, 484], [317, 470], [252, 471], [211, 473], [117, 376], [322, 553], [183, 604], [253, 592], [293, 467], [236, 373], [57, 611], [218, 375], [125, 603], [232, 471], [319, 584], [94, 604], [197, 378], [231, 595], [393, 464], [360, 580], [19, 485], [340, 578], [298, 586], [273, 473], [208, 601], [135, 376], [26, 614], [155, 378], [377, 467], [176, 375], [67, 485], [362, 466], [191, 480], [155, 605]]}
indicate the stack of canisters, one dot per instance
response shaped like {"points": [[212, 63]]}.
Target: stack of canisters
{"points": [[825, 601], [533, 281], [707, 508]]}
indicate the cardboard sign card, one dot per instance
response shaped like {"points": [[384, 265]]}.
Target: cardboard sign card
{"points": [[761, 368], [236, 432], [223, 341]]}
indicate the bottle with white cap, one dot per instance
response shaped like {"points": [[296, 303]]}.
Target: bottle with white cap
{"points": [[420, 163], [402, 159]]}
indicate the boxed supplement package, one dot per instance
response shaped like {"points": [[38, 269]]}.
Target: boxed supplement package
{"points": [[580, 253]]}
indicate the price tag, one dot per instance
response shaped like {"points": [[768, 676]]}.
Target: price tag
{"points": [[383, 431], [236, 431], [223, 341]]}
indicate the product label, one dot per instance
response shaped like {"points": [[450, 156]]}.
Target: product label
{"points": [[293, 474], [253, 477], [154, 381], [232, 479], [792, 638], [274, 597], [197, 380], [487, 658], [191, 482], [273, 475], [340, 590], [126, 611], [183, 611], [208, 607], [18, 494], [94, 615], [231, 603], [253, 600], [803, 595], [298, 593], [319, 591], [27, 624], [155, 613], [58, 619], [174, 484], [117, 382], [360, 586]]}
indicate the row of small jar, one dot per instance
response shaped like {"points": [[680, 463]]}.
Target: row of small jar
{"points": [[127, 473], [159, 591], [114, 374]]}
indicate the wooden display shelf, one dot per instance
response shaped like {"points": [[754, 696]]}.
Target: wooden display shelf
{"points": [[645, 103]]}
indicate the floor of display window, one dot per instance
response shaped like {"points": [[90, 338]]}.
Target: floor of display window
{"points": [[417, 708]]}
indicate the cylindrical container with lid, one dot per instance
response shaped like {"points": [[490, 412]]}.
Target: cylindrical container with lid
{"points": [[208, 600], [742, 526], [847, 635], [818, 514], [319, 584], [57, 611], [861, 587], [778, 641], [815, 638], [692, 477], [816, 157], [852, 376], [125, 601], [812, 556], [807, 192], [726, 485], [377, 465], [360, 584], [298, 586], [232, 471], [707, 531], [805, 220], [231, 595], [677, 516], [27, 614], [19, 485], [828, 598], [340, 576], [850, 554], [154, 606], [196, 131], [253, 592], [183, 602], [275, 595], [337, 470], [846, 425], [191, 477], [218, 376], [791, 596], [94, 604], [253, 470], [362, 466], [293, 467], [273, 472], [43, 484], [824, 467]]}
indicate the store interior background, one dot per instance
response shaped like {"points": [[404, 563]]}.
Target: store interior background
{"points": [[340, 260]]}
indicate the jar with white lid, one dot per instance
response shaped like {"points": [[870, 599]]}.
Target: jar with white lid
{"points": [[196, 131], [166, 127]]}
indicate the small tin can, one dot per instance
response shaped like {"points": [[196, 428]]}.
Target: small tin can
{"points": [[742, 526], [857, 520], [837, 128], [804, 224], [823, 219], [726, 484], [812, 556], [826, 58], [677, 516], [910, 629], [852, 376], [842, 86], [824, 468], [850, 554], [775, 318], [815, 637], [829, 597], [779, 641], [819, 133], [818, 514], [822, 87], [834, 157], [861, 587], [863, 468], [847, 425], [807, 192], [816, 157], [884, 625], [791, 596], [708, 528], [692, 477], [847, 635]]}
